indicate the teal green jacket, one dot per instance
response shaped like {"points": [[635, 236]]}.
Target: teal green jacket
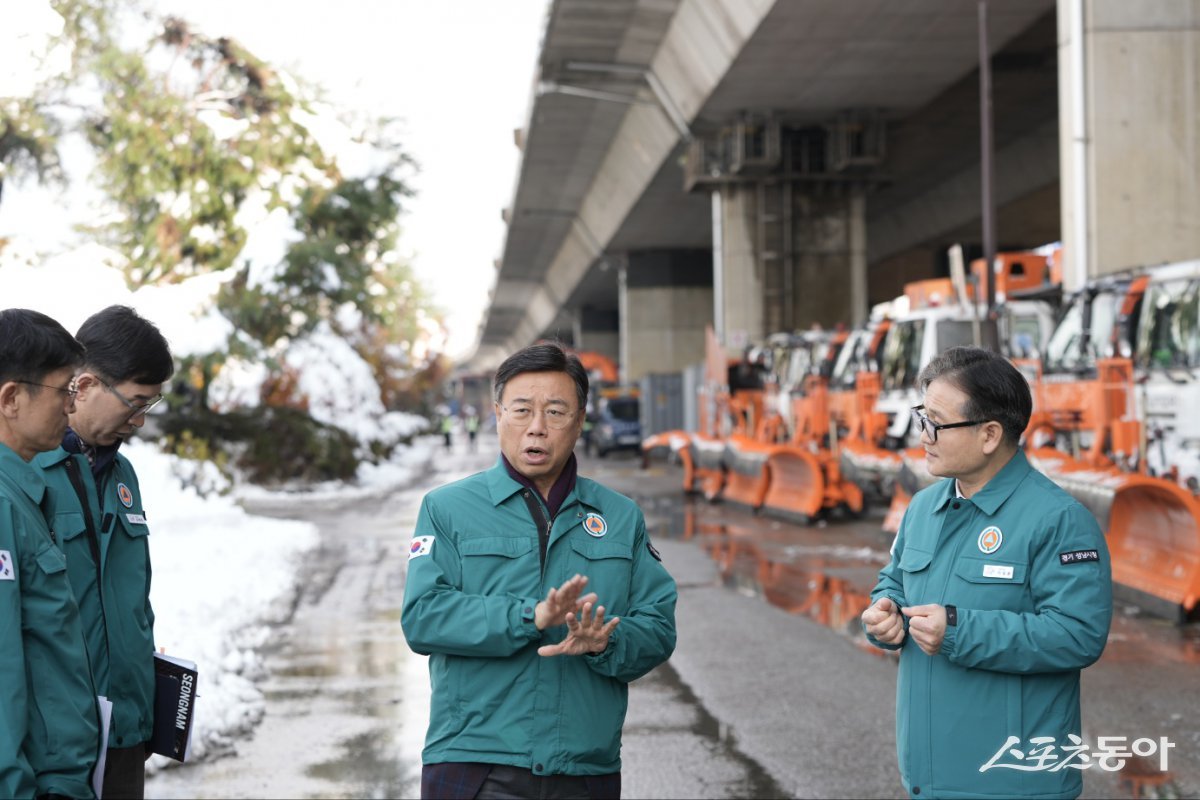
{"points": [[114, 601], [1028, 570], [474, 578], [49, 723]]}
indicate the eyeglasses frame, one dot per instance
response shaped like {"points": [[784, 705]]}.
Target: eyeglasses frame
{"points": [[138, 410], [924, 423], [70, 390], [570, 417]]}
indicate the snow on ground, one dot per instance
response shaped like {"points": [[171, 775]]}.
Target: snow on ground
{"points": [[221, 575]]}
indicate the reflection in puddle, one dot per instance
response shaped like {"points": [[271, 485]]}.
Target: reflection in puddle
{"points": [[827, 574]]}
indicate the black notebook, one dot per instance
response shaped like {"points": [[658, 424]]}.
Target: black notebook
{"points": [[174, 706]]}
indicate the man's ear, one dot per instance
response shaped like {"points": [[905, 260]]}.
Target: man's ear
{"points": [[993, 436], [83, 382], [9, 399]]}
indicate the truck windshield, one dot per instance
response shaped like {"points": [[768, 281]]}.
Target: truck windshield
{"points": [[1168, 336], [902, 355], [1065, 352], [624, 409]]}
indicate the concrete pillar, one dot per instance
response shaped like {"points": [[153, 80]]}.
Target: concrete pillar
{"points": [[666, 302], [741, 277], [1129, 111], [859, 307], [829, 276], [787, 258], [596, 331]]}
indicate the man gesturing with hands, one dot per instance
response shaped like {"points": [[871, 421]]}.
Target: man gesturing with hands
{"points": [[997, 594], [512, 575]]}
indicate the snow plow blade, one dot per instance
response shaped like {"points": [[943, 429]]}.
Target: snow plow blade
{"points": [[746, 476], [796, 487], [708, 465], [678, 443], [911, 477], [872, 469], [1152, 526], [805, 483]]}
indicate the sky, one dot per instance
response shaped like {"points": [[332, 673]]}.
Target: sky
{"points": [[459, 75]]}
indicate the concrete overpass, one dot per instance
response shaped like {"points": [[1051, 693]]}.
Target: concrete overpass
{"points": [[766, 164]]}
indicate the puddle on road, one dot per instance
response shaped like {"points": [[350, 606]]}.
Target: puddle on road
{"points": [[826, 573], [822, 572]]}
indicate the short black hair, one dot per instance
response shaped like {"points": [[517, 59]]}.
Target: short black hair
{"points": [[545, 357], [995, 389], [122, 346], [32, 345]]}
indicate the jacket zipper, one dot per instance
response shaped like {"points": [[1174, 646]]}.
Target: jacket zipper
{"points": [[543, 521]]}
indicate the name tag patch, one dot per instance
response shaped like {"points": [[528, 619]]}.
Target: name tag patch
{"points": [[1078, 556], [136, 519], [997, 571]]}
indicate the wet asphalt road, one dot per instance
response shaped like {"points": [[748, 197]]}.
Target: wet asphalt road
{"points": [[772, 692]]}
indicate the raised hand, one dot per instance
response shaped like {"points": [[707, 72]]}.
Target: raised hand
{"points": [[559, 602], [587, 633]]}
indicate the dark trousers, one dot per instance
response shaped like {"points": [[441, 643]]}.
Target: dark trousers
{"points": [[471, 781], [125, 773]]}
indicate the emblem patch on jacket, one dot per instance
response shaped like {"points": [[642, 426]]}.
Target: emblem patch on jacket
{"points": [[6, 568], [1079, 556], [595, 525], [653, 552], [124, 495], [990, 539], [421, 546]]}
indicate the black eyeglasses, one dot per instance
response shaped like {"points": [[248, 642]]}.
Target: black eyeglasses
{"points": [[138, 409], [69, 391], [930, 427]]}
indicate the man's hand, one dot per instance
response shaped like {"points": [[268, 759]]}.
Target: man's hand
{"points": [[586, 634], [559, 602], [927, 624], [883, 621]]}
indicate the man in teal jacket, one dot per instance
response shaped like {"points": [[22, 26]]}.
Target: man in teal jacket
{"points": [[95, 505], [49, 721], [998, 593], [530, 675]]}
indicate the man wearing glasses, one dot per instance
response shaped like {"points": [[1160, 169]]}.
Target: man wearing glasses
{"points": [[49, 722], [998, 593], [95, 506], [530, 675]]}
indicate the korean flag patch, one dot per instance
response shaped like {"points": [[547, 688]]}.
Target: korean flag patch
{"points": [[6, 567], [421, 546]]}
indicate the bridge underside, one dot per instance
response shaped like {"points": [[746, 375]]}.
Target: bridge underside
{"points": [[643, 110]]}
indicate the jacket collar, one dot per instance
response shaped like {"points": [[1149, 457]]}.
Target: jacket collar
{"points": [[996, 491], [20, 472], [501, 486]]}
